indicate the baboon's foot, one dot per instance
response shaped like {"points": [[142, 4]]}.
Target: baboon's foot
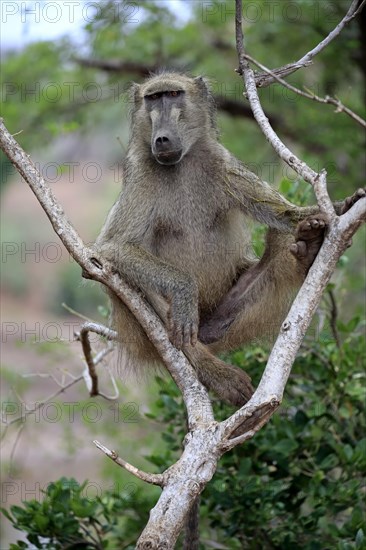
{"points": [[309, 238], [230, 383], [214, 328], [350, 201]]}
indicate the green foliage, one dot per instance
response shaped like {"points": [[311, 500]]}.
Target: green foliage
{"points": [[46, 92], [297, 484], [77, 294], [67, 518]]}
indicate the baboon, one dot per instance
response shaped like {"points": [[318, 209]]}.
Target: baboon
{"points": [[179, 233]]}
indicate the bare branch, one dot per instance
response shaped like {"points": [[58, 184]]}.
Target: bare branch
{"points": [[322, 196], [28, 411], [83, 337], [284, 152], [263, 80], [310, 95], [194, 393], [270, 390], [117, 66], [154, 479], [354, 9]]}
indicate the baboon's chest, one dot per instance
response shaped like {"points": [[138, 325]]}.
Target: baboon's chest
{"points": [[208, 245], [188, 229]]}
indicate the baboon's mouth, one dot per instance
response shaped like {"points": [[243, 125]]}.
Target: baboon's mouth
{"points": [[169, 157]]}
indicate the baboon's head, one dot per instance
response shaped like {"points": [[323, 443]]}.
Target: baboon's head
{"points": [[171, 113]]}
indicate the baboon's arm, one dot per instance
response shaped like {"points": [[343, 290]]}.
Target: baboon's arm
{"points": [[122, 247], [260, 201]]}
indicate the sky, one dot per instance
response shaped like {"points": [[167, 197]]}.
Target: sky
{"points": [[25, 21], [28, 21]]}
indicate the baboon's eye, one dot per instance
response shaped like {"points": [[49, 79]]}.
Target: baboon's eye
{"points": [[175, 93], [153, 96]]}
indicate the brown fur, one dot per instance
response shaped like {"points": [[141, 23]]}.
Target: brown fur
{"points": [[179, 233]]}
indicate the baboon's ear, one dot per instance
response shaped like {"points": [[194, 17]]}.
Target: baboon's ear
{"points": [[134, 92], [202, 84]]}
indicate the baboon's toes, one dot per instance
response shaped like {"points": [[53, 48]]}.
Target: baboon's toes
{"points": [[350, 201], [299, 249], [312, 227], [240, 389]]}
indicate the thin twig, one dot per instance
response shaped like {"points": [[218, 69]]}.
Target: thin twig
{"points": [[310, 95], [88, 380], [41, 404], [354, 9], [83, 337], [15, 444], [76, 313], [263, 80], [247, 73], [154, 479]]}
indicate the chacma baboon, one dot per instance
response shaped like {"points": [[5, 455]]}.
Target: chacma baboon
{"points": [[179, 233]]}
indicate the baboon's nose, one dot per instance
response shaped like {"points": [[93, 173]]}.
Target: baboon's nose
{"points": [[162, 143], [167, 150]]}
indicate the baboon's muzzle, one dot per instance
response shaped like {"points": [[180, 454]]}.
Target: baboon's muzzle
{"points": [[166, 145], [166, 148]]}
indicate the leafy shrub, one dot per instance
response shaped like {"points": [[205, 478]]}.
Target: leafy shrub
{"points": [[66, 518], [298, 484]]}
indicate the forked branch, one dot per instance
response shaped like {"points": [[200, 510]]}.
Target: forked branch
{"points": [[207, 440], [265, 79]]}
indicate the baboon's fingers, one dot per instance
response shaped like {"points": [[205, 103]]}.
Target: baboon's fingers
{"points": [[194, 334], [187, 334], [190, 334], [174, 331], [177, 337], [299, 249]]}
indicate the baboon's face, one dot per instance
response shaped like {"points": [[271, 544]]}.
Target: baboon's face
{"points": [[165, 109]]}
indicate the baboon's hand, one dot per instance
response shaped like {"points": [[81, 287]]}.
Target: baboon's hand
{"points": [[183, 316], [309, 238], [350, 201]]}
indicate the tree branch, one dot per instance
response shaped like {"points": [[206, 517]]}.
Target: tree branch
{"points": [[310, 95], [263, 80], [83, 337], [269, 393], [230, 106], [154, 479], [194, 394], [207, 440]]}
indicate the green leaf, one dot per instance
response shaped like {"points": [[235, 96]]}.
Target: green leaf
{"points": [[360, 539], [286, 446], [6, 514]]}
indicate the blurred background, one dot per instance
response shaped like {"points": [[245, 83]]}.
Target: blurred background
{"points": [[65, 72]]}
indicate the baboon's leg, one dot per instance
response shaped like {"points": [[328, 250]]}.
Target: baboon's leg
{"points": [[257, 304], [229, 382]]}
